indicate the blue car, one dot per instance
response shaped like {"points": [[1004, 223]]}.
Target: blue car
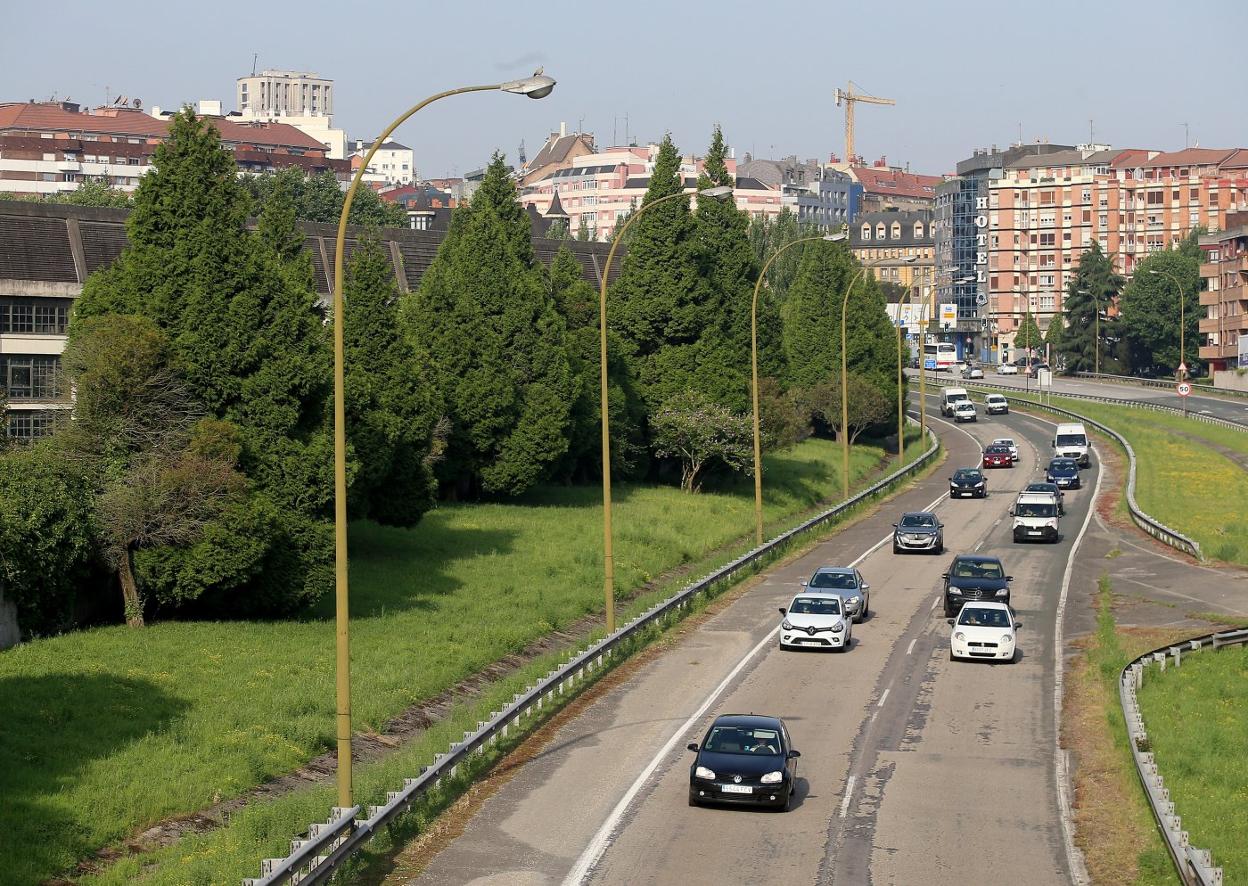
{"points": [[1063, 473]]}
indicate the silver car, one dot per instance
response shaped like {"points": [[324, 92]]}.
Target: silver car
{"points": [[919, 531], [848, 583]]}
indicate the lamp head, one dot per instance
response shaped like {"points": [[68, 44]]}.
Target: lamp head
{"points": [[834, 238], [718, 192], [537, 86], [909, 259], [1153, 272]]}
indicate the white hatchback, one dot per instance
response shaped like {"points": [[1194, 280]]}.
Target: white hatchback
{"points": [[1007, 369], [984, 631], [1008, 443], [816, 620]]}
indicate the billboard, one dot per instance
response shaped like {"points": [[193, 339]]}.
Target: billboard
{"points": [[948, 316], [1243, 350]]}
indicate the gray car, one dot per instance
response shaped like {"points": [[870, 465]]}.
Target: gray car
{"points": [[848, 583], [919, 531]]}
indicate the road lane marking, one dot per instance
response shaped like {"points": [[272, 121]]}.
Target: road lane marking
{"points": [[880, 703], [910, 648], [935, 603], [849, 795]]}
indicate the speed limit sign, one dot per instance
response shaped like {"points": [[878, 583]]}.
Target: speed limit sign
{"points": [[1183, 388]]}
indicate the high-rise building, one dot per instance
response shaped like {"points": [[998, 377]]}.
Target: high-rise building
{"points": [[301, 99], [1224, 328]]}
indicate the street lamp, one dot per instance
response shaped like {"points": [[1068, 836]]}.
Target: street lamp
{"points": [[758, 447], [608, 561], [537, 86], [901, 397]]}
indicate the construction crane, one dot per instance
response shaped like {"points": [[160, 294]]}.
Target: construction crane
{"points": [[849, 97]]}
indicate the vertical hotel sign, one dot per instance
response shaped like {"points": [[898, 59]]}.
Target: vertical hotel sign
{"points": [[981, 248]]}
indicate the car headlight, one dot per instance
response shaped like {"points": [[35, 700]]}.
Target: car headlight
{"points": [[703, 772], [1001, 593], [980, 483], [851, 600], [955, 591], [772, 778], [786, 625], [959, 636], [1052, 523], [838, 627], [1006, 638]]}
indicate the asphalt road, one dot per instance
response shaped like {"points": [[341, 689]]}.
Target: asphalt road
{"points": [[1227, 408], [914, 769]]}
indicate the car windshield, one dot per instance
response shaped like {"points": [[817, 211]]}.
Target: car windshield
{"points": [[1040, 487], [918, 521], [966, 476], [743, 740], [1034, 509], [964, 404], [1063, 467], [1007, 443], [995, 398], [1072, 440], [841, 581], [973, 616], [977, 569], [816, 606], [998, 450]]}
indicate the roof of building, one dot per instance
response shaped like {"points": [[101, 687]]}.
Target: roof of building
{"points": [[555, 210], [1189, 157], [557, 148], [55, 117], [1237, 160], [896, 183], [1066, 157], [906, 219], [388, 145]]}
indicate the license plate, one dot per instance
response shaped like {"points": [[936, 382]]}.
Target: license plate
{"points": [[737, 789], [1034, 532]]}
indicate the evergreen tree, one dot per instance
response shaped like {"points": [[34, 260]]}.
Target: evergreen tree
{"points": [[318, 198], [1095, 288], [245, 333], [812, 322], [1150, 310], [767, 236], [486, 326], [1029, 336], [390, 412]]}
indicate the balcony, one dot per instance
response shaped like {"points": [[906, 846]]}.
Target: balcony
{"points": [[1216, 352], [1209, 269], [1210, 325]]}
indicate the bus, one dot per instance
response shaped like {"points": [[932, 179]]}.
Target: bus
{"points": [[940, 356]]}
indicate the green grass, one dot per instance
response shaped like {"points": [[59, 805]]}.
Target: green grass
{"points": [[1185, 483], [1197, 719], [111, 729]]}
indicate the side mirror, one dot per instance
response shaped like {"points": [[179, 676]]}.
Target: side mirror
{"points": [[1052, 444], [894, 525], [693, 745], [1017, 625], [865, 586], [944, 575], [1011, 512], [794, 753], [940, 525], [948, 621], [803, 583], [783, 611], [1009, 578]]}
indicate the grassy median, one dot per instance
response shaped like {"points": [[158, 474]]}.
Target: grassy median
{"points": [[1197, 720], [112, 729]]}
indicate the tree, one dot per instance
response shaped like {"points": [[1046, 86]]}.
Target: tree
{"points": [[93, 191], [392, 414], [318, 197], [700, 433], [1094, 289], [485, 324], [1150, 313], [248, 340], [868, 404], [767, 236], [1028, 336], [583, 234], [812, 322], [782, 418]]}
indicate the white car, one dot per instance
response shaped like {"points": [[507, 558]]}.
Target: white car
{"points": [[972, 371], [996, 404], [985, 631], [816, 620], [964, 410], [1007, 369], [1008, 443]]}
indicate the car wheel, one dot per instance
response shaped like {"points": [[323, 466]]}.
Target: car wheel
{"points": [[952, 657], [896, 550], [940, 550], [692, 801]]}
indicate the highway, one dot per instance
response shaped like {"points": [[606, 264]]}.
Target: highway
{"points": [[1231, 409], [914, 769]]}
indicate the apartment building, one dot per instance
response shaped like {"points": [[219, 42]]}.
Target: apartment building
{"points": [[299, 98], [1224, 328], [393, 166], [890, 187], [896, 247], [51, 147], [818, 195]]}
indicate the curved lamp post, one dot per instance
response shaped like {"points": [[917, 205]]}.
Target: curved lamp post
{"points": [[901, 397], [758, 448], [608, 558], [537, 86]]}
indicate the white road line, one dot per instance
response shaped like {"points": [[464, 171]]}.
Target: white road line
{"points": [[880, 703], [849, 795], [910, 648], [603, 837], [935, 603]]}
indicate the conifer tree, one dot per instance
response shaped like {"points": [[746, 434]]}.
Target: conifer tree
{"points": [[1095, 287], [485, 324]]}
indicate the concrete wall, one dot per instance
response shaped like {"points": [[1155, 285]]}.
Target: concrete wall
{"points": [[1231, 380]]}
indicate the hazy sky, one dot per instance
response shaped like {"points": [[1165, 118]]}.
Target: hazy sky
{"points": [[965, 73]]}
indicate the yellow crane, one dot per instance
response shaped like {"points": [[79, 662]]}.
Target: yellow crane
{"points": [[849, 97]]}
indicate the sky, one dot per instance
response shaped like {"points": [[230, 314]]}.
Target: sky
{"points": [[965, 74]]}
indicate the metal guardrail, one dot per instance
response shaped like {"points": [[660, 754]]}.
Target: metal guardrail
{"points": [[317, 856], [1200, 389], [1115, 401], [1195, 866], [1140, 518]]}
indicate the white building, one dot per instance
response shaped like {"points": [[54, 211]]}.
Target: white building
{"points": [[394, 164], [301, 99]]}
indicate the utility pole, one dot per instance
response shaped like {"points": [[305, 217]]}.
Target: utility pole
{"points": [[849, 98]]}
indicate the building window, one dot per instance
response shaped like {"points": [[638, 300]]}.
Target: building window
{"points": [[895, 231], [29, 378], [918, 230], [25, 426], [34, 316], [866, 232]]}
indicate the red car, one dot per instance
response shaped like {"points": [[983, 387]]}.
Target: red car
{"points": [[998, 457]]}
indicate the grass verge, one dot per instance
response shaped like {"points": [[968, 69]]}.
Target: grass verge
{"points": [[1113, 825], [1197, 719], [109, 730]]}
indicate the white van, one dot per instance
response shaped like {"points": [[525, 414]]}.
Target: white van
{"points": [[1035, 517], [950, 397], [1071, 441]]}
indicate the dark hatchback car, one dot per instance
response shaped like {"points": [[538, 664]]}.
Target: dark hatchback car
{"points": [[975, 577], [998, 457], [968, 481], [919, 531], [744, 758], [1064, 473], [1052, 489]]}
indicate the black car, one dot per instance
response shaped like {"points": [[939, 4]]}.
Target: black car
{"points": [[744, 758], [919, 531], [968, 481], [1052, 489], [1063, 473], [975, 577]]}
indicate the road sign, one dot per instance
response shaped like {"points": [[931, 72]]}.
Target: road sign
{"points": [[1183, 388], [929, 363], [1182, 367]]}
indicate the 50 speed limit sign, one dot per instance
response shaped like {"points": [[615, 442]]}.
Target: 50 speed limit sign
{"points": [[1183, 388]]}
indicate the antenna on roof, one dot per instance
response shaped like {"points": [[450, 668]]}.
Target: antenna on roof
{"points": [[255, 56], [1187, 137]]}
